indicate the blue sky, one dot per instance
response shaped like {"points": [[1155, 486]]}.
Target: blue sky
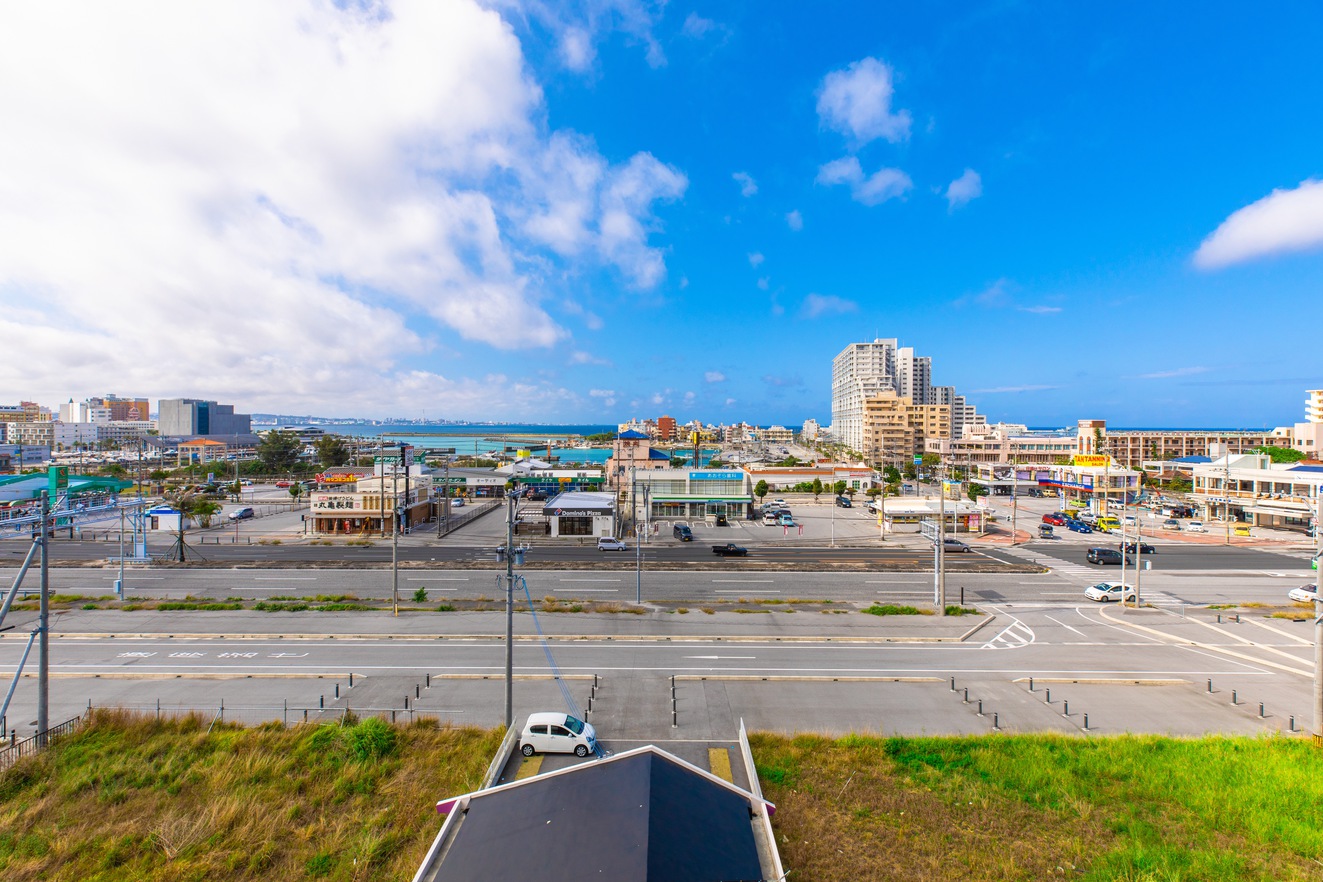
{"points": [[586, 212]]}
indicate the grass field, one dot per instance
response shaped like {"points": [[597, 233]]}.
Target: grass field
{"points": [[128, 798], [1144, 809]]}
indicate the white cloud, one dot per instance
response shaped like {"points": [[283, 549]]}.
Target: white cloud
{"points": [[765, 282], [697, 27], [882, 185], [816, 305], [580, 357], [1177, 372], [714, 377], [755, 259], [689, 397], [576, 49], [857, 102], [1040, 310], [964, 189], [1281, 222], [748, 186], [358, 180], [795, 220], [730, 401], [1006, 390], [579, 26], [607, 396]]}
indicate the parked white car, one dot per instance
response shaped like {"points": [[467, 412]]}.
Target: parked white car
{"points": [[607, 543], [557, 733], [1107, 591], [1195, 527]]}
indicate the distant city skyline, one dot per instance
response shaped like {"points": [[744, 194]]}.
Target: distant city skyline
{"points": [[634, 208]]}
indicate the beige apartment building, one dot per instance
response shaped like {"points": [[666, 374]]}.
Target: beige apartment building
{"points": [[1002, 443], [895, 429], [1131, 447]]}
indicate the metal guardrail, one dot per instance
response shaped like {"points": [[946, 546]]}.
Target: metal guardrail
{"points": [[37, 743]]}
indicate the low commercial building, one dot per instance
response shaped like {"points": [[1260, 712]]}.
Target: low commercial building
{"points": [[784, 477], [633, 452], [905, 514], [1252, 489], [692, 494], [370, 508], [1002, 443], [581, 514], [1097, 481]]}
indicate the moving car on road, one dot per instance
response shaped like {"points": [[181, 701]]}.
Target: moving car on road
{"points": [[844, 502], [1171, 524], [609, 543], [1104, 592], [1195, 527], [1304, 594], [1045, 532], [1056, 519], [950, 545], [242, 514], [730, 549], [1144, 548], [1078, 526], [683, 533], [1105, 556], [557, 733]]}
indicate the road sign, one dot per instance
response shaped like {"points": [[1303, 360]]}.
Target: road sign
{"points": [[918, 460]]}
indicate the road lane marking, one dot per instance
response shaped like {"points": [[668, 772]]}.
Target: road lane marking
{"points": [[284, 578], [590, 590], [751, 591], [437, 579], [588, 580], [744, 581], [1064, 625], [714, 657]]}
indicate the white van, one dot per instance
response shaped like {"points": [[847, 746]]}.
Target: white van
{"points": [[557, 733]]}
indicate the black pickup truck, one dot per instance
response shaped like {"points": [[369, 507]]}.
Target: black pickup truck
{"points": [[730, 549]]}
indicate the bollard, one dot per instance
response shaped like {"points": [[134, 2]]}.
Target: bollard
{"points": [[673, 718], [305, 715], [417, 691], [1233, 696], [1049, 696], [962, 595], [337, 690], [351, 679], [590, 704], [1260, 710], [284, 714], [966, 696], [406, 702], [158, 708], [321, 701], [1065, 708], [1237, 618], [595, 680], [1219, 618], [392, 716], [1031, 684], [1210, 685], [980, 707], [953, 684], [429, 681], [994, 722], [1292, 724], [1086, 722]]}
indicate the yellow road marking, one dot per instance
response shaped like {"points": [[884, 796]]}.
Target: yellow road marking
{"points": [[529, 767], [718, 758]]}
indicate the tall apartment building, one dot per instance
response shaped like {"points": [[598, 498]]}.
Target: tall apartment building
{"points": [[24, 412], [191, 416], [863, 371], [895, 429], [1131, 447], [666, 428], [124, 409], [1314, 406]]}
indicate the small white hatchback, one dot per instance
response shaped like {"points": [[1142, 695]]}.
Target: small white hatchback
{"points": [[557, 733], [607, 543]]}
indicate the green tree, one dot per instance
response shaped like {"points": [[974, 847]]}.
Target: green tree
{"points": [[872, 492], [679, 462], [974, 491], [839, 488], [279, 451], [891, 474], [1280, 454], [332, 450], [600, 438], [295, 490], [157, 475], [760, 490], [816, 488], [203, 509]]}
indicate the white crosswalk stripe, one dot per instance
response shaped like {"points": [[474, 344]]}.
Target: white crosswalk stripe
{"points": [[1013, 637]]}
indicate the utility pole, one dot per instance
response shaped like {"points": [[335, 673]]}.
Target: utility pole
{"points": [[394, 542], [1318, 622], [44, 625], [941, 542], [509, 612]]}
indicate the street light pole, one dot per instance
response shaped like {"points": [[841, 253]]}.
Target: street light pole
{"points": [[509, 611], [941, 544], [44, 624], [638, 564]]}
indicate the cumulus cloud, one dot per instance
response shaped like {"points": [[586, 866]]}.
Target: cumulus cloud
{"points": [[748, 186], [882, 185], [756, 259], [964, 189], [816, 305], [696, 27], [764, 283], [607, 396], [358, 181], [795, 220], [714, 376], [856, 102], [1282, 222], [581, 357]]}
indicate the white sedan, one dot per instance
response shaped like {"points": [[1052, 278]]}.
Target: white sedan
{"points": [[1195, 527], [1304, 594], [1105, 591]]}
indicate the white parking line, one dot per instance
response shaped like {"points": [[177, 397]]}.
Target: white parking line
{"points": [[588, 580], [590, 590], [751, 591], [744, 581], [435, 579], [284, 578]]}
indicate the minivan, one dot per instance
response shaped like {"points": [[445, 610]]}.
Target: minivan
{"points": [[683, 533], [557, 733]]}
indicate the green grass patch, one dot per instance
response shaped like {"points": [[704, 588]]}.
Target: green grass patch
{"points": [[170, 605], [891, 609], [1045, 806], [962, 611], [130, 797], [280, 606]]}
